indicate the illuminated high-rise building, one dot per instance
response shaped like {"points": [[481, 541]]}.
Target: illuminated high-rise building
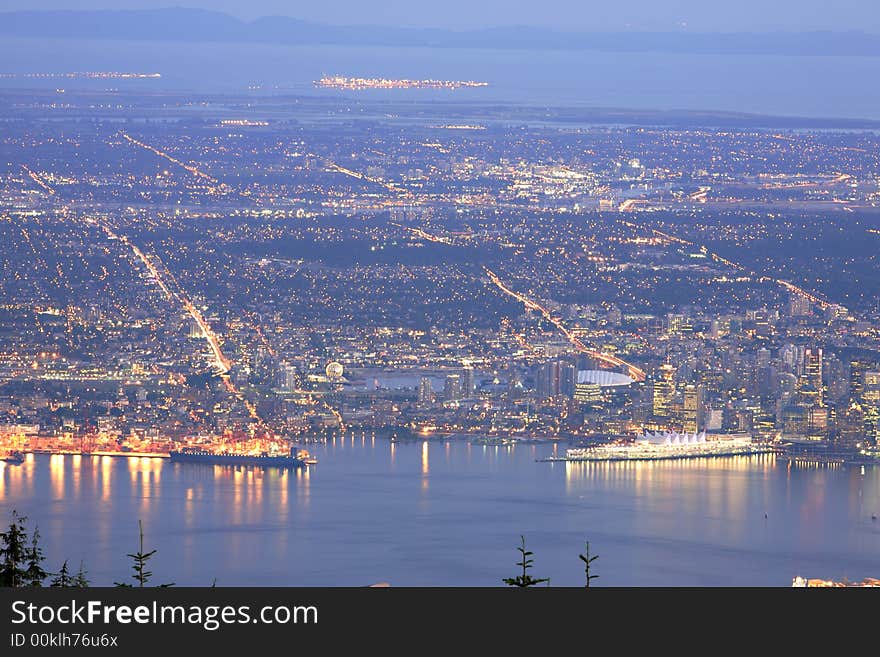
{"points": [[763, 327], [788, 355], [663, 390], [857, 369], [871, 388], [195, 331], [452, 389], [548, 379], [692, 409], [426, 392], [544, 380], [818, 422], [714, 419], [289, 378], [678, 324], [585, 392], [795, 419], [835, 373], [872, 424], [811, 380], [467, 382], [567, 379], [851, 426]]}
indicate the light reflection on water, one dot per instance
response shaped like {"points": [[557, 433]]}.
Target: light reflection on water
{"points": [[434, 512]]}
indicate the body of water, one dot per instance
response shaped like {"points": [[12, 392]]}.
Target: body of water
{"points": [[451, 513], [764, 84]]}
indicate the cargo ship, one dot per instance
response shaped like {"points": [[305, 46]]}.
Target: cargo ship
{"points": [[298, 459]]}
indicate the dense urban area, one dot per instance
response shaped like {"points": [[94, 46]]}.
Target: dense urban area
{"points": [[244, 274]]}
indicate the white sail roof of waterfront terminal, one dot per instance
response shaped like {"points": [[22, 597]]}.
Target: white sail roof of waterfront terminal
{"points": [[673, 438]]}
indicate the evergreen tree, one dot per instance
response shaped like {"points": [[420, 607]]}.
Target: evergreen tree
{"points": [[140, 559], [80, 581], [14, 552], [587, 559], [63, 579], [524, 579], [34, 574]]}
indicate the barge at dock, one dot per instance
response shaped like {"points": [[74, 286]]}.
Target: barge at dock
{"points": [[297, 459]]}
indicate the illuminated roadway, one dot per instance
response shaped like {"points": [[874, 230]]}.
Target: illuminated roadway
{"points": [[425, 236], [193, 170], [33, 176], [391, 187], [221, 362], [188, 167], [608, 359], [791, 287]]}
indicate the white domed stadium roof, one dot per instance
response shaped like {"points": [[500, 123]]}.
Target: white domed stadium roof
{"points": [[604, 378]]}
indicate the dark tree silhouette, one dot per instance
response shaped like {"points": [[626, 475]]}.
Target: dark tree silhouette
{"points": [[80, 581], [588, 560], [14, 552], [34, 573], [140, 559], [63, 579], [523, 580]]}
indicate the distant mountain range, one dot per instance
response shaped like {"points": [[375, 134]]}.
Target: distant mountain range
{"points": [[197, 25]]}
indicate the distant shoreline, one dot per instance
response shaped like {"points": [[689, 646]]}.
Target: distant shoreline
{"points": [[200, 26], [265, 108]]}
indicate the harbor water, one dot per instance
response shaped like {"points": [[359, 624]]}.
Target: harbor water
{"points": [[448, 512]]}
